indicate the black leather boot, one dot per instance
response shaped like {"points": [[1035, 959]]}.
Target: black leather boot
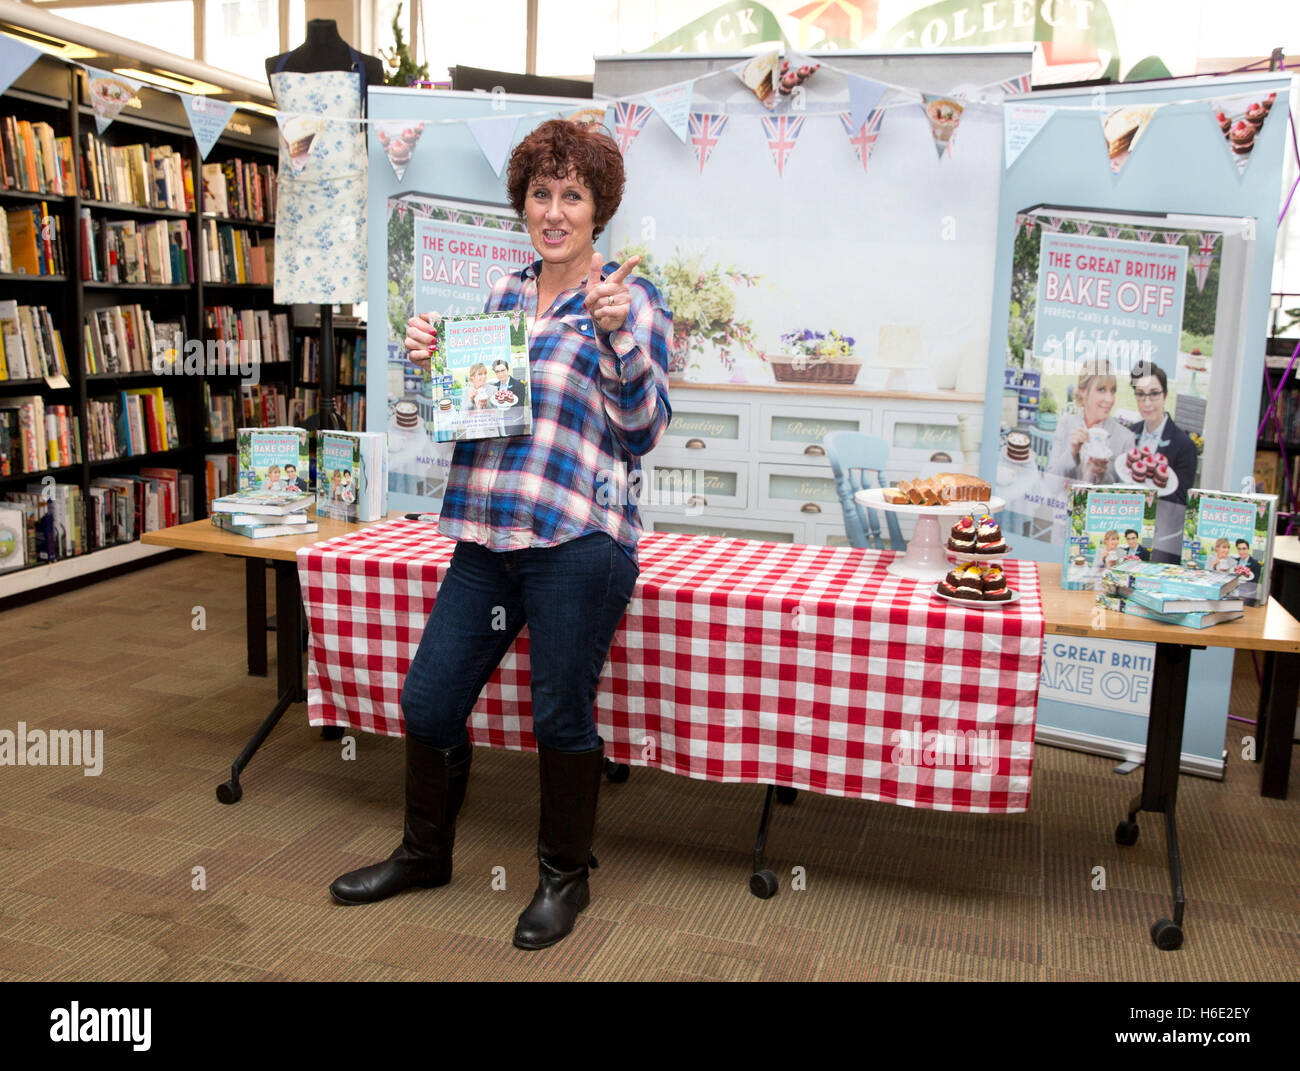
{"points": [[570, 783], [435, 789]]}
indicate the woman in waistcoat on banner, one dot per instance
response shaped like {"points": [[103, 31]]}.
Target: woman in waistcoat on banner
{"points": [[537, 533]]}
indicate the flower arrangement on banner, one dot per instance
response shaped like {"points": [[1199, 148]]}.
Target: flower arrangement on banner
{"points": [[818, 345], [814, 356], [702, 298]]}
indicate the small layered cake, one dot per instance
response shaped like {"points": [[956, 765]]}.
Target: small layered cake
{"points": [[1242, 137], [988, 536], [1160, 471], [963, 536], [967, 582], [1018, 446], [1137, 470], [995, 585], [1255, 115]]}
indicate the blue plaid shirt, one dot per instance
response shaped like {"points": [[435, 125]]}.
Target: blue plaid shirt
{"points": [[600, 401]]}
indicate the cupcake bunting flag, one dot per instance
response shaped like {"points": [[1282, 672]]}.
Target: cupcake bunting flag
{"points": [[761, 76], [1240, 118], [943, 113], [398, 139], [863, 137], [109, 94]]}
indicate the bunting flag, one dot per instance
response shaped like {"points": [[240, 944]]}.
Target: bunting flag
{"points": [[760, 76], [706, 131], [1144, 236], [943, 114], [1241, 118], [1084, 227], [1030, 223], [1171, 237], [493, 134], [629, 119], [1056, 221], [15, 57], [864, 95], [1112, 231], [1201, 266], [208, 118], [398, 139], [1016, 86], [673, 105], [863, 137], [1209, 239], [782, 133], [1123, 129], [109, 93], [1021, 123], [298, 133]]}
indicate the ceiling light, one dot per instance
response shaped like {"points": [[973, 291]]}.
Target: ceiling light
{"points": [[253, 106], [170, 80], [54, 46]]}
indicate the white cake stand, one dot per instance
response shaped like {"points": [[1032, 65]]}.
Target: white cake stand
{"points": [[927, 555]]}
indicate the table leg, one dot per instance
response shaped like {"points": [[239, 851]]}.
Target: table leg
{"points": [[288, 654], [255, 615], [762, 882], [1160, 777], [1282, 682]]}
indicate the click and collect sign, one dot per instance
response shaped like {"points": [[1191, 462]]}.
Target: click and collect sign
{"points": [[1108, 300]]}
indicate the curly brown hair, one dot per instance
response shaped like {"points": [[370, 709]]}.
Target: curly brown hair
{"points": [[558, 147]]}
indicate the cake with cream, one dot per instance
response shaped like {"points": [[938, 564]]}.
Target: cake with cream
{"points": [[977, 535], [978, 583]]}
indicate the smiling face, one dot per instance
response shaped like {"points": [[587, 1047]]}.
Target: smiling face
{"points": [[477, 379], [560, 214], [1112, 541], [1150, 400], [503, 373], [1132, 538], [1098, 400]]}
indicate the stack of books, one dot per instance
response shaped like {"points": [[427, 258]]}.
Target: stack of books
{"points": [[262, 514], [1173, 594]]}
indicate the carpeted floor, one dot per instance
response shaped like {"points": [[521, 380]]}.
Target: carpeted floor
{"points": [[140, 874]]}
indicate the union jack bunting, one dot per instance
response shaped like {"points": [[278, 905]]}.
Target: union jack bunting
{"points": [[863, 139], [1030, 222], [1113, 232], [1056, 222], [1208, 241], [629, 119], [1015, 85], [1172, 237], [1201, 267], [782, 132], [705, 133], [1083, 227], [1145, 236]]}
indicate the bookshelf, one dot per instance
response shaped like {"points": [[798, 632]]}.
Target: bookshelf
{"points": [[52, 92], [1278, 447]]}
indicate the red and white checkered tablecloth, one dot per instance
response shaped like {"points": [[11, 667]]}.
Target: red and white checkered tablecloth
{"points": [[804, 666]]}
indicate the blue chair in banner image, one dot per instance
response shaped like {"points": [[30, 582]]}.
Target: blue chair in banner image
{"points": [[856, 458]]}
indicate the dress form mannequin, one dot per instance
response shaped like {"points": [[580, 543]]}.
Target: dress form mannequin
{"points": [[325, 50]]}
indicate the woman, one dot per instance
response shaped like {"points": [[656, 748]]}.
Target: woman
{"points": [[538, 533], [1088, 442], [476, 392]]}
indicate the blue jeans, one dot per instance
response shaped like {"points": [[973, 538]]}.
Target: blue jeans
{"points": [[571, 596]]}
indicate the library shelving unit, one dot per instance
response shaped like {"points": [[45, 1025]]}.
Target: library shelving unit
{"points": [[54, 92], [350, 366], [1278, 447]]}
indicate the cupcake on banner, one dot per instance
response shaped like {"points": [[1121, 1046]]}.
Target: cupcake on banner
{"points": [[398, 138], [1241, 118]]}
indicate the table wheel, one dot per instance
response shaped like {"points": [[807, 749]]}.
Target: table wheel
{"points": [[1167, 935], [616, 773], [229, 792], [786, 795], [763, 885], [1126, 833]]}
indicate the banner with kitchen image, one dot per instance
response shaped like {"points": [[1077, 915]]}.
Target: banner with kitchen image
{"points": [[1110, 347], [443, 256]]}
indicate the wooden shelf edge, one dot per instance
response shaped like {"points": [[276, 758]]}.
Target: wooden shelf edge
{"points": [[39, 576]]}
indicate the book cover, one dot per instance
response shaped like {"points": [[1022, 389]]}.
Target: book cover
{"points": [[269, 503], [1231, 533], [13, 538], [1108, 525], [262, 530], [1173, 579], [352, 475], [1180, 604], [1128, 605], [273, 459], [478, 380]]}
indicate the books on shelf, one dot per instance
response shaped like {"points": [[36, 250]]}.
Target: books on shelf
{"points": [[33, 241], [35, 436], [263, 405], [1097, 539], [30, 345], [276, 459], [352, 475], [261, 335], [221, 409], [33, 158], [13, 538], [1232, 534], [136, 251], [351, 407], [233, 254], [239, 189], [147, 176], [119, 338], [219, 477], [137, 421], [350, 355]]}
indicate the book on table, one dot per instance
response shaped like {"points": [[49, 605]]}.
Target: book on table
{"points": [[273, 459], [1096, 537], [1180, 604], [1173, 579], [1232, 534], [1126, 604], [262, 530], [263, 503], [352, 475], [478, 380]]}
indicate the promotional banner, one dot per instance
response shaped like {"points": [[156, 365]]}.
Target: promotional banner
{"points": [[15, 58], [673, 105], [1109, 675], [1020, 125], [444, 256], [1088, 312], [109, 93], [208, 118]]}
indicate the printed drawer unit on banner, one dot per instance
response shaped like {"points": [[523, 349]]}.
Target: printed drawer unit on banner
{"points": [[718, 429], [736, 528], [798, 431], [920, 440], [830, 535], [798, 489], [670, 484]]}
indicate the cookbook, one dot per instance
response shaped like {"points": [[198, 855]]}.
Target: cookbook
{"points": [[478, 383]]}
